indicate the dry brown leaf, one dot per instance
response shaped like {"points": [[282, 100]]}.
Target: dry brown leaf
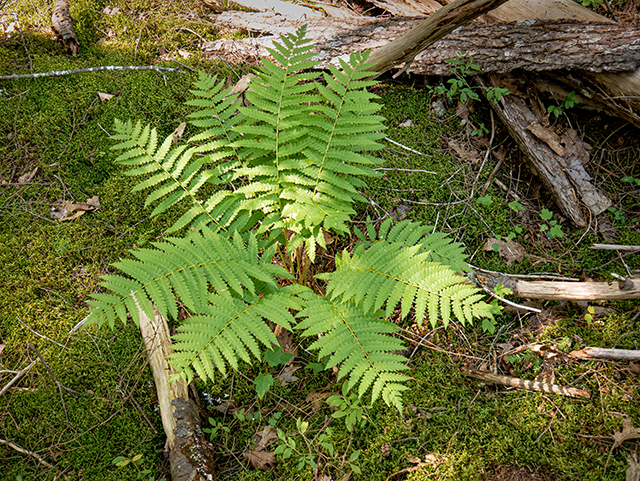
{"points": [[633, 367], [413, 459], [262, 460], [2, 348], [263, 438], [102, 96], [66, 210], [509, 250], [286, 376], [628, 432], [548, 137], [462, 112], [227, 406], [242, 84], [465, 154], [406, 123], [183, 53], [28, 176], [575, 147], [177, 134], [317, 399]]}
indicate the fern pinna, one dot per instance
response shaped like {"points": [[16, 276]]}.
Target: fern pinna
{"points": [[286, 169]]}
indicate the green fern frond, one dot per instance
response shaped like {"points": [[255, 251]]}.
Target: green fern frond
{"points": [[229, 330], [390, 273], [439, 247], [185, 269], [174, 173], [361, 343]]}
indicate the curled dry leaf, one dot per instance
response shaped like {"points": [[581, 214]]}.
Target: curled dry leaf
{"points": [[262, 460], [406, 123], [69, 210], [465, 154], [628, 432], [263, 438], [23, 179], [177, 134], [509, 250], [102, 96]]}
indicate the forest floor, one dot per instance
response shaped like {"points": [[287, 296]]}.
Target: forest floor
{"points": [[94, 399]]}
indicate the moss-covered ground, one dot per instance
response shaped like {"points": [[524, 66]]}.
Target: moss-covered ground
{"points": [[453, 427]]}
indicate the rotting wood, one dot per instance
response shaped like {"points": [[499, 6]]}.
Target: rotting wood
{"points": [[502, 47], [525, 384], [604, 353], [63, 25], [565, 176], [567, 291], [157, 342]]}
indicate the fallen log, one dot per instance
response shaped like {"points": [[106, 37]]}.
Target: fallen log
{"points": [[501, 47], [564, 291], [190, 454], [63, 25]]}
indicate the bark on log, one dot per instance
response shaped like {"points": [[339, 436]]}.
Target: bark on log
{"points": [[561, 171], [63, 25], [602, 353], [565, 291], [191, 456], [501, 47], [444, 21], [408, 8]]}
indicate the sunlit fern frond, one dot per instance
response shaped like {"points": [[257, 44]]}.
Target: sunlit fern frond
{"points": [[360, 343], [230, 329], [186, 270], [388, 273], [439, 247]]}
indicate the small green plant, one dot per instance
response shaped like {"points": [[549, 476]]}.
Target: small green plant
{"points": [[568, 102], [618, 215], [285, 172], [243, 415], [349, 408], [319, 448], [486, 200], [515, 205], [589, 315], [461, 67], [592, 4], [217, 426], [631, 180], [517, 230], [552, 228], [135, 461], [480, 130]]}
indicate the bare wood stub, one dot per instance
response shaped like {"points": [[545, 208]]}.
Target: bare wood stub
{"points": [[568, 291], [525, 384], [63, 25], [604, 353]]}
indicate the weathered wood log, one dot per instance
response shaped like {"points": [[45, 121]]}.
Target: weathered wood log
{"points": [[63, 25], [408, 8], [157, 342], [603, 353], [560, 169], [501, 47], [525, 384], [567, 291], [190, 455]]}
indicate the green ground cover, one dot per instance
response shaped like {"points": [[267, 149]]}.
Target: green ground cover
{"points": [[460, 428]]}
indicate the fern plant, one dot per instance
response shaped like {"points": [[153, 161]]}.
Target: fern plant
{"points": [[286, 171]]}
